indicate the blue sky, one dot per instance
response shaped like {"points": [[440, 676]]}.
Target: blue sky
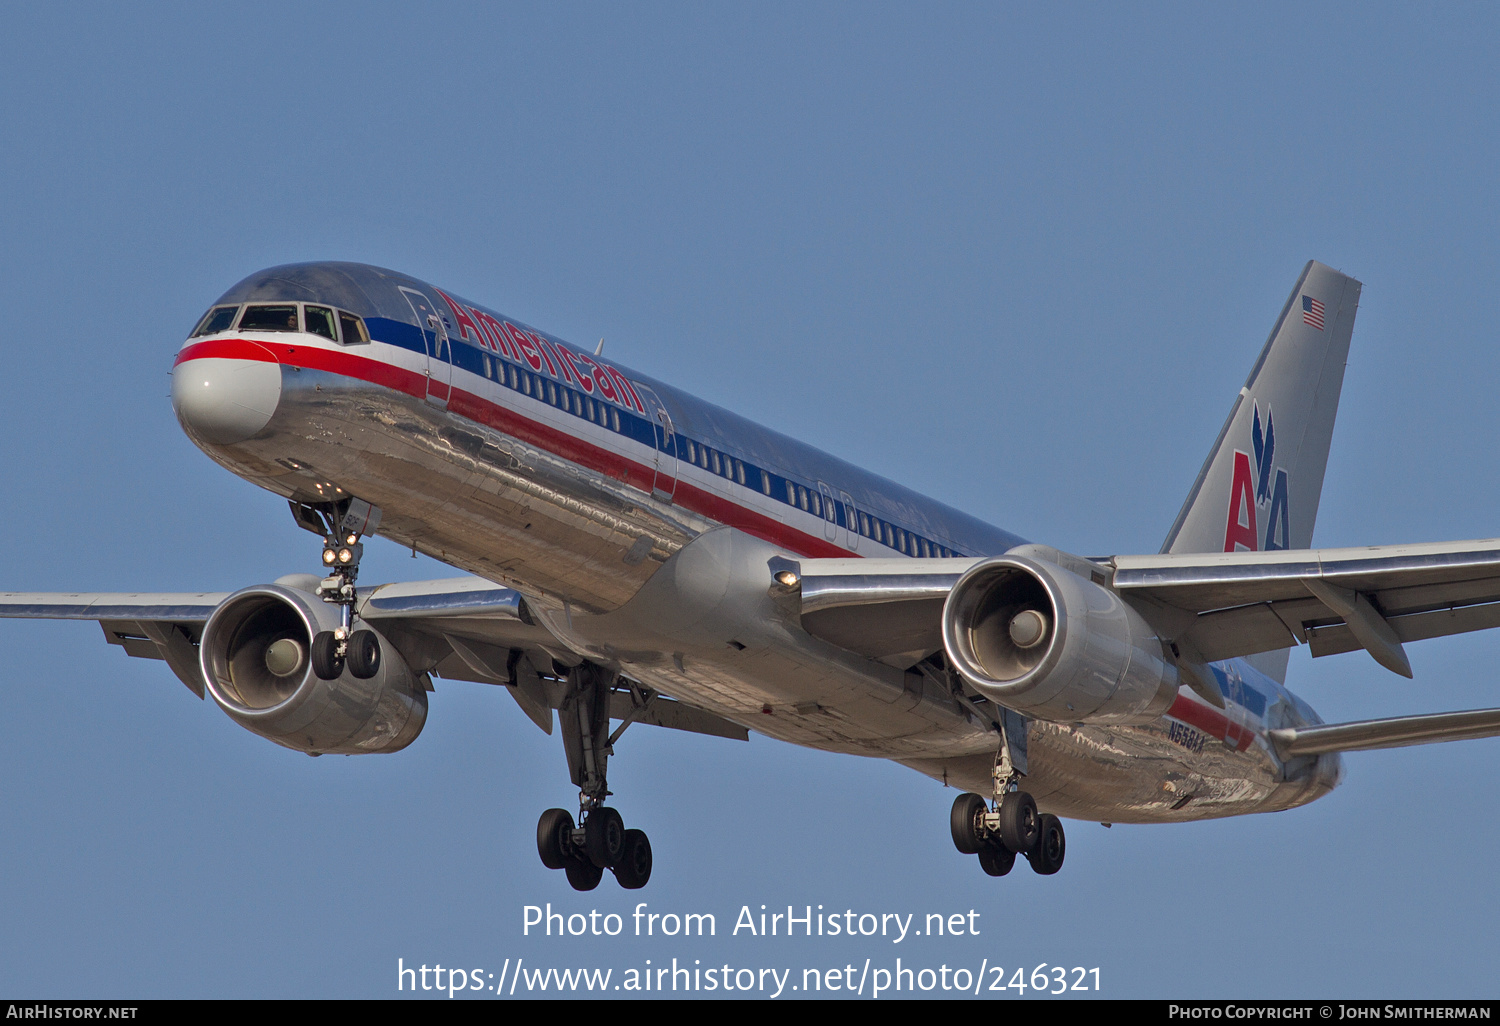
{"points": [[1020, 258]]}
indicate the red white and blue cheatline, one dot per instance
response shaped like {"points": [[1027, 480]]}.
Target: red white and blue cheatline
{"points": [[1312, 312]]}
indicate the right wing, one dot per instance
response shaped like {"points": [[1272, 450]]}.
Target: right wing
{"points": [[147, 626], [462, 628]]}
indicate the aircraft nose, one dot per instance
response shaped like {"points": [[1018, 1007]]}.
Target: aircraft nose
{"points": [[225, 401]]}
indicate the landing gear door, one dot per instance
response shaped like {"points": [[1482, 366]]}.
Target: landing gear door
{"points": [[435, 338], [664, 487]]}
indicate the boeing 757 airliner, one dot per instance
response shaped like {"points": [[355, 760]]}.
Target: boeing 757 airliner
{"points": [[634, 555]]}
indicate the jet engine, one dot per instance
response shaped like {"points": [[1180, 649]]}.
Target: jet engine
{"points": [[1047, 643], [256, 658]]}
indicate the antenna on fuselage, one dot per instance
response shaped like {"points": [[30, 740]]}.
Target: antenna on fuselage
{"points": [[599, 349]]}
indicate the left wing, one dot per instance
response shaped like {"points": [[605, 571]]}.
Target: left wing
{"points": [[1216, 605], [1333, 600]]}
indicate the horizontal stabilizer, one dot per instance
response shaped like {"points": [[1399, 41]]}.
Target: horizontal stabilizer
{"points": [[1398, 732]]}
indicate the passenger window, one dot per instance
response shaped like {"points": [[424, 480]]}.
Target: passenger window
{"points": [[269, 318], [319, 321], [739, 471], [614, 418], [220, 318]]}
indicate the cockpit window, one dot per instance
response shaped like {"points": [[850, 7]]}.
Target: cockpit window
{"points": [[319, 320], [354, 329], [269, 318], [216, 320]]}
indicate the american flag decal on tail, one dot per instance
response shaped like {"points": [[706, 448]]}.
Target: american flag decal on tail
{"points": [[1312, 312]]}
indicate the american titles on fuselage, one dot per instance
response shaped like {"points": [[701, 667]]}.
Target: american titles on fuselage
{"points": [[545, 368]]}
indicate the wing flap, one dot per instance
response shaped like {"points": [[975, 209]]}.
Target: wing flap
{"points": [[1335, 600], [1437, 623]]}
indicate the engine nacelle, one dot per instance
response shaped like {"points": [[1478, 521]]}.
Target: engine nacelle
{"points": [[274, 692], [1048, 643]]}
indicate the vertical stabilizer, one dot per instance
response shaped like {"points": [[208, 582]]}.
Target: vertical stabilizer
{"points": [[1259, 487]]}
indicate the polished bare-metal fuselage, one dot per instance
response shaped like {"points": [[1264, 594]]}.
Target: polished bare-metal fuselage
{"points": [[641, 551]]}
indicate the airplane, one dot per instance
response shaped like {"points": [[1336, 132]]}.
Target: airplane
{"points": [[631, 554]]}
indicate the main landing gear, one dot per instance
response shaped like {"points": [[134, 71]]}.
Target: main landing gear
{"points": [[342, 524], [1011, 827], [599, 840]]}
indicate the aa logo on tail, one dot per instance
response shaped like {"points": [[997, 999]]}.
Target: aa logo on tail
{"points": [[1251, 492]]}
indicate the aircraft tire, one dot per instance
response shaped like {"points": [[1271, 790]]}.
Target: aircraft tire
{"points": [[604, 837], [1018, 822], [583, 875], [634, 870], [554, 839], [996, 859], [363, 654], [325, 661], [1051, 846], [965, 825]]}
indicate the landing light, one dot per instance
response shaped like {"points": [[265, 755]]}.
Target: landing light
{"points": [[346, 555], [329, 556], [787, 578]]}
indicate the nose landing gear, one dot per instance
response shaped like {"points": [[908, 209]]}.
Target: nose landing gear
{"points": [[342, 524]]}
